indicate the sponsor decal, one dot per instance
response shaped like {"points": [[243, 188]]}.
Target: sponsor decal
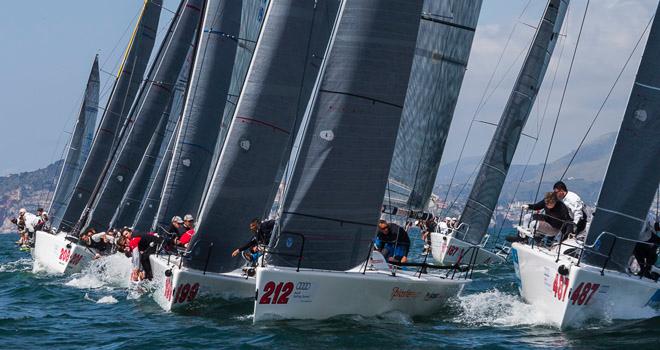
{"points": [[431, 296], [402, 294]]}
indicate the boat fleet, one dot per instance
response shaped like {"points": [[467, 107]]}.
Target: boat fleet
{"points": [[328, 116]]}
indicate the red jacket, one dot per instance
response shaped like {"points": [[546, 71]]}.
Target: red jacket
{"points": [[185, 238], [133, 243]]}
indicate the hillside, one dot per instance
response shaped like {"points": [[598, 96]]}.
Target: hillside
{"points": [[29, 190]]}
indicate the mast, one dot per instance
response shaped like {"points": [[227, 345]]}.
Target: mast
{"points": [[339, 173], [124, 91], [489, 181], [633, 172], [443, 47], [79, 146], [152, 103], [202, 112], [278, 83]]}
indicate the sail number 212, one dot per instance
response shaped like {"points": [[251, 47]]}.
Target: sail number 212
{"points": [[276, 293]]}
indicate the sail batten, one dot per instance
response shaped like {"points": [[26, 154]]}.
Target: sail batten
{"points": [[123, 93], [338, 176], [443, 47], [489, 181], [279, 80], [633, 173], [78, 148]]}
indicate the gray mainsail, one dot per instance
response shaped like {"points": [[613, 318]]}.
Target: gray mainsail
{"points": [[272, 103], [135, 192], [124, 91], [147, 171], [443, 47], [490, 179], [339, 173], [202, 114], [155, 97], [78, 148], [145, 216], [633, 172]]}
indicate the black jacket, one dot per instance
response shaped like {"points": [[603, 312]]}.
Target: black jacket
{"points": [[261, 237], [555, 216]]}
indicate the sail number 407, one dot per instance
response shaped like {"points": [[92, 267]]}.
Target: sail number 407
{"points": [[276, 293], [581, 295]]}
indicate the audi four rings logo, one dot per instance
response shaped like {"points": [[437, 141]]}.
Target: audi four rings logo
{"points": [[303, 285]]}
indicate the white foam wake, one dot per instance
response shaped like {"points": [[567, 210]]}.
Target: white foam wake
{"points": [[23, 264], [495, 308], [112, 271]]}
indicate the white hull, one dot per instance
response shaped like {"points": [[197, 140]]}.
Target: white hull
{"points": [[184, 285], [283, 293], [583, 294], [447, 250], [55, 254]]}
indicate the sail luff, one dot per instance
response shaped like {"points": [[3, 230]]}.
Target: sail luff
{"points": [[489, 181], [148, 111], [443, 46], [279, 79], [338, 180], [78, 148], [125, 88], [633, 173]]}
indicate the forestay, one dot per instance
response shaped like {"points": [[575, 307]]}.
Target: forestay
{"points": [[633, 173], [489, 181], [443, 47], [339, 174], [78, 150], [202, 112], [271, 105], [124, 91]]}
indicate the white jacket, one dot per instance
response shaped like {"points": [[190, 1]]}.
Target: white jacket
{"points": [[31, 221], [574, 204]]}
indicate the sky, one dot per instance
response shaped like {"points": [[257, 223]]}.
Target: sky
{"points": [[48, 52]]}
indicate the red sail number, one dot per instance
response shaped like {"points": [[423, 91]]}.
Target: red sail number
{"points": [[560, 287], [185, 292], [583, 293], [281, 293]]}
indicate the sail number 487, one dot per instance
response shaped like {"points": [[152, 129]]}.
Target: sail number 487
{"points": [[581, 295]]}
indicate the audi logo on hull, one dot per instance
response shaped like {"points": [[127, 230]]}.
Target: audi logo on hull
{"points": [[303, 285]]}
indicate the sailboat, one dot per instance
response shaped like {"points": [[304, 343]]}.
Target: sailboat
{"points": [[450, 247], [60, 253], [573, 282], [79, 146], [271, 105], [318, 263]]}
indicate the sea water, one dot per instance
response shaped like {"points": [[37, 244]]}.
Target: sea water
{"points": [[98, 308]]}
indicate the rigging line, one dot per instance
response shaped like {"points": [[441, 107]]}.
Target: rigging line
{"points": [[609, 93], [563, 95], [538, 130]]}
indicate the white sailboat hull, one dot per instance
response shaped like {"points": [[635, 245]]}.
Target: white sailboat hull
{"points": [[583, 294], [55, 254], [184, 286], [447, 250], [284, 293]]}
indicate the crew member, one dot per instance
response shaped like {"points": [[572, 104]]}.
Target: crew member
{"points": [[261, 231], [574, 204]]}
